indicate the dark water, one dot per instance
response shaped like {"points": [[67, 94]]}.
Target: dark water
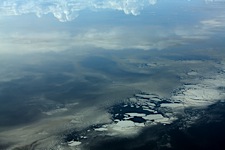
{"points": [[206, 134]]}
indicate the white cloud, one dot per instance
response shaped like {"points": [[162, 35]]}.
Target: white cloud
{"points": [[69, 10], [213, 23], [142, 36], [117, 38], [208, 1]]}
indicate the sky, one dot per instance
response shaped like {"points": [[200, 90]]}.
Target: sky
{"points": [[65, 25]]}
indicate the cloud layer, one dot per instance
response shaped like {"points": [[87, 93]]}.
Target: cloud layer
{"points": [[117, 38], [105, 36], [69, 10]]}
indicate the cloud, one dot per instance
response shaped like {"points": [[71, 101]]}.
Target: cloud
{"points": [[214, 23], [125, 38], [69, 10], [141, 36], [33, 42], [117, 38], [208, 1]]}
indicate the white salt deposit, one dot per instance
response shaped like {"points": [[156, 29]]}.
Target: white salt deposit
{"points": [[145, 96], [74, 143], [153, 117], [101, 129], [155, 99], [139, 124], [125, 124], [172, 105], [136, 114]]}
